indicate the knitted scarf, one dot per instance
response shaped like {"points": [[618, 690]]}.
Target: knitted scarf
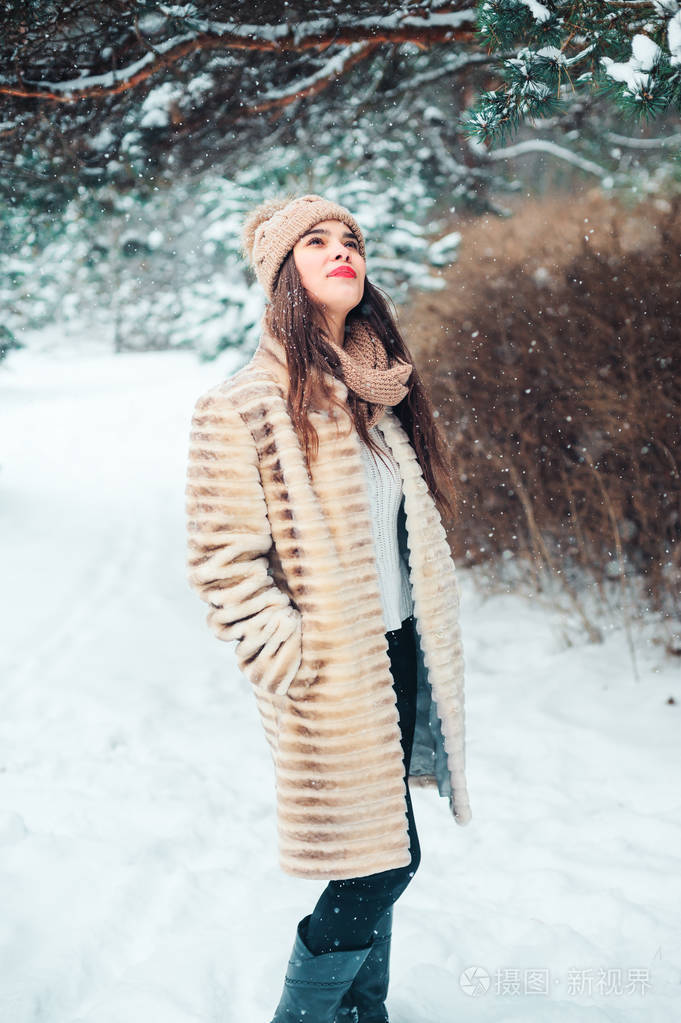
{"points": [[369, 371]]}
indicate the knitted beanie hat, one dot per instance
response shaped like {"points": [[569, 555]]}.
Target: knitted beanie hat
{"points": [[272, 229]]}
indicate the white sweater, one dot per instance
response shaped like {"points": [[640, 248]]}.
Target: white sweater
{"points": [[385, 493]]}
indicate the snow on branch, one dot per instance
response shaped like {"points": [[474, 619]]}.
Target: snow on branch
{"points": [[447, 25], [450, 66], [111, 81], [334, 68], [633, 143], [545, 146], [645, 55], [400, 26], [538, 11]]}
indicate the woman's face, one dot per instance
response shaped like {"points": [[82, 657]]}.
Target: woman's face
{"points": [[331, 268]]}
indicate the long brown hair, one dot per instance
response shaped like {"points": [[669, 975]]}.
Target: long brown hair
{"points": [[296, 320]]}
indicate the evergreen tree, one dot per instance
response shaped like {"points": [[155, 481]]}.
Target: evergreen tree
{"points": [[629, 53]]}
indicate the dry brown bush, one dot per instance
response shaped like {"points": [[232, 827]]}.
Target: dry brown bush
{"points": [[552, 357]]}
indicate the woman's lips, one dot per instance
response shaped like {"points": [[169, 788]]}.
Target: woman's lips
{"points": [[343, 271]]}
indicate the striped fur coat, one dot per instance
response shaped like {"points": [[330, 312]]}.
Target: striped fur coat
{"points": [[285, 561]]}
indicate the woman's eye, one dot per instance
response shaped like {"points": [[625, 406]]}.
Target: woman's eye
{"points": [[350, 241]]}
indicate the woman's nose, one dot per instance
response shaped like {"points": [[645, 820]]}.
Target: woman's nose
{"points": [[339, 247]]}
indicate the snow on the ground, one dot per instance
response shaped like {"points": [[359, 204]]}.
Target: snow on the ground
{"points": [[139, 880]]}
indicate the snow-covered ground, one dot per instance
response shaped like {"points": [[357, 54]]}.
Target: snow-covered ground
{"points": [[139, 880]]}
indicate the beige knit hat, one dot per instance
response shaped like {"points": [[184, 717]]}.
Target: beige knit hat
{"points": [[272, 229]]}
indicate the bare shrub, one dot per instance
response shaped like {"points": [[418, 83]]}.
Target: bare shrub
{"points": [[553, 361]]}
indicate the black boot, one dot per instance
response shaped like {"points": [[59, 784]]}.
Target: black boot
{"points": [[364, 1002], [315, 984]]}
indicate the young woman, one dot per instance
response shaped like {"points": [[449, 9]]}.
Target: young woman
{"points": [[315, 484]]}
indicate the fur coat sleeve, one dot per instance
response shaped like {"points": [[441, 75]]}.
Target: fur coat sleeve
{"points": [[229, 542]]}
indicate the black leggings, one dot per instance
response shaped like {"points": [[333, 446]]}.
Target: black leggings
{"points": [[349, 909]]}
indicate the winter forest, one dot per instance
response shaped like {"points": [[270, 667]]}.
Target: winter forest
{"points": [[515, 166]]}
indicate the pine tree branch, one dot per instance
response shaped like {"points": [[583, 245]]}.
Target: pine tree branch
{"points": [[456, 64], [546, 146], [446, 26], [638, 4], [625, 140], [313, 84]]}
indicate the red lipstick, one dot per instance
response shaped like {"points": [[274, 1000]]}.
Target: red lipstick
{"points": [[343, 271]]}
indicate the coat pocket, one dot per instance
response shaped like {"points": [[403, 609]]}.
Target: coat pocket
{"points": [[270, 652]]}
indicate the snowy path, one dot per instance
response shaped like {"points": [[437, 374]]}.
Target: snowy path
{"points": [[138, 872]]}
